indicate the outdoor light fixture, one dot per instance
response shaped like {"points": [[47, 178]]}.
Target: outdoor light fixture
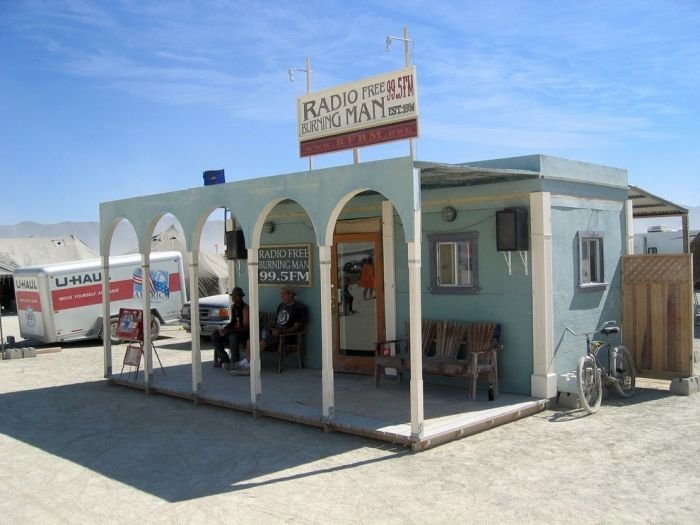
{"points": [[306, 70], [269, 227], [291, 71], [449, 214], [407, 61], [406, 40]]}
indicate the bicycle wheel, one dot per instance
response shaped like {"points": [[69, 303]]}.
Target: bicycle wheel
{"points": [[590, 387], [625, 374]]}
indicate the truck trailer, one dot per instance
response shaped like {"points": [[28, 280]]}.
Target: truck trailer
{"points": [[63, 301]]}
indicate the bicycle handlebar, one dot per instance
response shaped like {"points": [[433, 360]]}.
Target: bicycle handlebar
{"points": [[588, 334], [579, 335]]}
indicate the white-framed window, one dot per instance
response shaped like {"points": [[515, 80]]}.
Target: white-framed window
{"points": [[591, 266], [453, 262]]}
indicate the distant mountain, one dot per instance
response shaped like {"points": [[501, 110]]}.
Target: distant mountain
{"points": [[124, 240]]}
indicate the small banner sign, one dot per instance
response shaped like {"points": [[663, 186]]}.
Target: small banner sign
{"points": [[130, 324], [288, 264], [371, 111]]}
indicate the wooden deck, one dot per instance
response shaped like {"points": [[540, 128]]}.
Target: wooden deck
{"points": [[360, 408]]}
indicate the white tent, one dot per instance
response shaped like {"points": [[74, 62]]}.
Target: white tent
{"points": [[213, 270], [32, 251]]}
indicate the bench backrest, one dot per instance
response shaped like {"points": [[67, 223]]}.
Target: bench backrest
{"points": [[457, 339]]}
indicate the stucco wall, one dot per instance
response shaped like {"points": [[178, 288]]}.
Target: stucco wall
{"points": [[502, 298], [578, 308]]}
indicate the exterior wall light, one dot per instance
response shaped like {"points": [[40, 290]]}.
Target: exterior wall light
{"points": [[449, 214], [269, 227]]}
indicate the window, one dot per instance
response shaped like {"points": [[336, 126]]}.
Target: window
{"points": [[453, 263], [591, 267]]}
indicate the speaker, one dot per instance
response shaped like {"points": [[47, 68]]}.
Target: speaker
{"points": [[235, 245], [512, 230]]}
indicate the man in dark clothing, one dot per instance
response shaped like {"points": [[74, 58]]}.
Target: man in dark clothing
{"points": [[235, 333], [290, 317]]}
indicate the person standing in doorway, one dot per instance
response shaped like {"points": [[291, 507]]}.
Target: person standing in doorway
{"points": [[347, 297], [367, 278]]}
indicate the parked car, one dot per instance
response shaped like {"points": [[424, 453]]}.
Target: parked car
{"points": [[213, 313]]}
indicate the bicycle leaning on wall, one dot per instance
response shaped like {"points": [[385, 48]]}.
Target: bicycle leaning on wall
{"points": [[591, 374]]}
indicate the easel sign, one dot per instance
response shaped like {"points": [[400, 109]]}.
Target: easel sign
{"points": [[132, 356], [130, 328], [130, 324]]}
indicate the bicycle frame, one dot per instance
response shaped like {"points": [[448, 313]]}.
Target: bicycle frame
{"points": [[592, 374], [594, 349]]}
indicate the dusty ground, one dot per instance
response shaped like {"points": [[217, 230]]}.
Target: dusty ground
{"points": [[75, 450]]}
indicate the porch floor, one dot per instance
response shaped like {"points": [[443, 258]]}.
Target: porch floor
{"points": [[382, 413]]}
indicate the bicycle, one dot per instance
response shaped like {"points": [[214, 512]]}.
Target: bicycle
{"points": [[591, 374]]}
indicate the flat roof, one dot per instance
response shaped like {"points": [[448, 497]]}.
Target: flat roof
{"points": [[438, 175]]}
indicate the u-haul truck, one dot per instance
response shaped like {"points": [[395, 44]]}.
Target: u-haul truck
{"points": [[63, 301]]}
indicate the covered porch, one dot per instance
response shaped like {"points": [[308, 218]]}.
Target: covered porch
{"points": [[382, 413]]}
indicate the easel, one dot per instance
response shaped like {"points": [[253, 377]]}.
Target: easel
{"points": [[130, 329]]}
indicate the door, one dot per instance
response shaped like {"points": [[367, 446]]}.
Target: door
{"points": [[657, 314], [358, 300]]}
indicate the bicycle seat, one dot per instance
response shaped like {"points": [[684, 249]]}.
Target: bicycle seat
{"points": [[610, 330]]}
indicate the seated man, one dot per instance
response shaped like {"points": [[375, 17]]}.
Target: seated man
{"points": [[235, 333], [289, 318]]}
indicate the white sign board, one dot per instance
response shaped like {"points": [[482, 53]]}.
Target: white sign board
{"points": [[375, 102]]}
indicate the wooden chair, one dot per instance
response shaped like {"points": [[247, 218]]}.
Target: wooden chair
{"points": [[288, 344], [483, 340]]}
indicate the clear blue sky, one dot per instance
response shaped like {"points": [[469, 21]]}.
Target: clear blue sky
{"points": [[103, 100]]}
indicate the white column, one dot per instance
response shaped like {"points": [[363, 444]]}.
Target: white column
{"points": [[629, 227], [389, 267], [146, 302], [415, 316], [327, 377], [106, 319], [543, 383], [194, 320], [254, 341]]}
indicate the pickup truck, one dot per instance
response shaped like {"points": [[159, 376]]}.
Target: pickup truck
{"points": [[214, 312]]}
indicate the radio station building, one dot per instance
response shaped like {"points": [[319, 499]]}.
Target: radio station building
{"points": [[393, 249]]}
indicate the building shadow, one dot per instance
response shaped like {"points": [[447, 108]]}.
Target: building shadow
{"points": [[173, 450]]}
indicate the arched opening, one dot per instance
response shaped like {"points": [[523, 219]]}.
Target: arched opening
{"points": [[286, 257], [363, 232]]}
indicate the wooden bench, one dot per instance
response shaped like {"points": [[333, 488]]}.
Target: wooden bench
{"points": [[449, 348]]}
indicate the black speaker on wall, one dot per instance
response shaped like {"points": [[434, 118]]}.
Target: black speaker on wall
{"points": [[512, 231], [235, 245]]}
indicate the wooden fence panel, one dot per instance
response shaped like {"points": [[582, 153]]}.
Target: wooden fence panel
{"points": [[657, 313]]}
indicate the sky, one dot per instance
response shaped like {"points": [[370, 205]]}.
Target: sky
{"points": [[104, 100]]}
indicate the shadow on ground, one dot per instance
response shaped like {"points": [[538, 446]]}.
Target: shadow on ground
{"points": [[641, 395], [171, 449]]}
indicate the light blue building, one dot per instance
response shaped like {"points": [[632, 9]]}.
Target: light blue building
{"points": [[532, 243]]}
